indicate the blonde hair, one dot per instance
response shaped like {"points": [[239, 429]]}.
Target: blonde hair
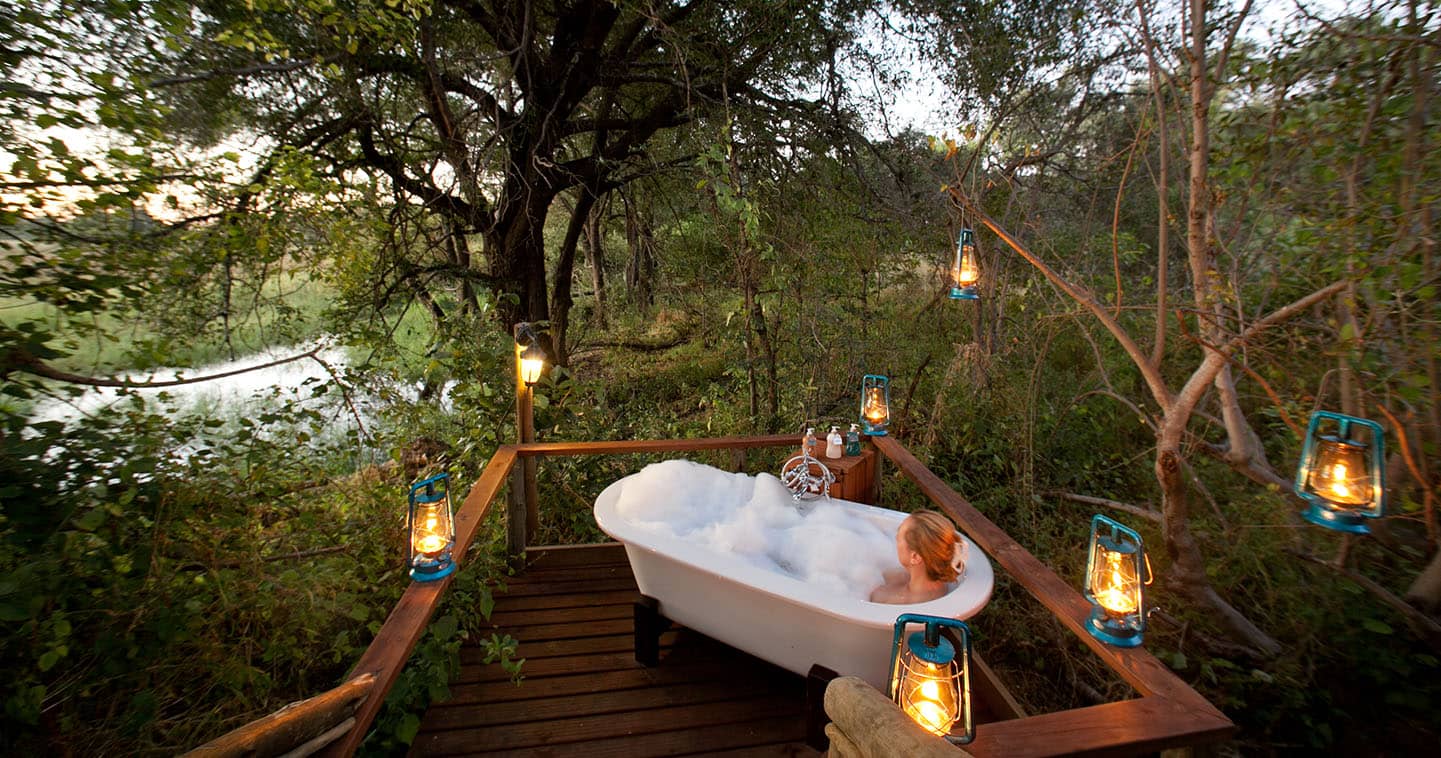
{"points": [[933, 536]]}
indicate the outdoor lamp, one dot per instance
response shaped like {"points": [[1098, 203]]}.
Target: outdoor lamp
{"points": [[1342, 477], [532, 355], [432, 530], [1117, 573], [931, 675], [966, 271], [532, 363], [875, 404]]}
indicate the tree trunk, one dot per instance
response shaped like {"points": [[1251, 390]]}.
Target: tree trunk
{"points": [[640, 268], [1188, 567], [562, 281], [517, 259], [595, 256]]}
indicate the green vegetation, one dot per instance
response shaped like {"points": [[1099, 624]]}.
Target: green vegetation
{"points": [[710, 252]]}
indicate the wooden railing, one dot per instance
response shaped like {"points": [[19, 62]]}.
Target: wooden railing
{"points": [[407, 622], [1168, 714]]}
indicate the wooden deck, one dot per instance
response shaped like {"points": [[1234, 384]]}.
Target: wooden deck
{"points": [[583, 692]]}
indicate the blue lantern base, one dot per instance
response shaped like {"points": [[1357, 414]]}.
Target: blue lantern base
{"points": [[433, 571], [1340, 521], [965, 293], [875, 432], [1103, 628]]}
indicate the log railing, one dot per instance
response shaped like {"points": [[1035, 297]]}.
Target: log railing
{"points": [[1168, 714]]}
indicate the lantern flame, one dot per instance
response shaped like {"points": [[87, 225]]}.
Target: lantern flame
{"points": [[876, 411], [966, 272], [1340, 474], [928, 705], [1117, 593], [430, 537]]}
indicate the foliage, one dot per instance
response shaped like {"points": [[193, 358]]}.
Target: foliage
{"points": [[146, 598]]}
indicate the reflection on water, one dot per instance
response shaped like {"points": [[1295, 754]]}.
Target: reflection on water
{"points": [[320, 384]]}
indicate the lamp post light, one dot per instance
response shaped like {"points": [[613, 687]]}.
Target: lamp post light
{"points": [[530, 361], [1117, 572], [432, 529], [931, 675], [875, 404], [1342, 474], [966, 271]]}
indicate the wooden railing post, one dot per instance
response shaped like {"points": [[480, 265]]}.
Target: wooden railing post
{"points": [[525, 431], [516, 521]]}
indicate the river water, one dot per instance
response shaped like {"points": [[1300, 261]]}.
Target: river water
{"points": [[321, 383]]}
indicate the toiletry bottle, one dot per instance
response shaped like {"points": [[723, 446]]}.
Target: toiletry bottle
{"points": [[853, 440], [833, 443], [808, 445]]}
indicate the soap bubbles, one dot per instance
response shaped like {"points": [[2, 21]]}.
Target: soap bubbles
{"points": [[756, 519]]}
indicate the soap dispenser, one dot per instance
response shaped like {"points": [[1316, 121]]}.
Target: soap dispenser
{"points": [[833, 443]]}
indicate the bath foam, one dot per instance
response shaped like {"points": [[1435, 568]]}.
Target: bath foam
{"points": [[755, 519]]}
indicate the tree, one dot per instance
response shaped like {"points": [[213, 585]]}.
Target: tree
{"points": [[475, 117]]}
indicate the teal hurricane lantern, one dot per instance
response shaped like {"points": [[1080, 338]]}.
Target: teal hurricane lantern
{"points": [[966, 271], [931, 675], [1117, 573], [432, 529], [875, 404], [1342, 476]]}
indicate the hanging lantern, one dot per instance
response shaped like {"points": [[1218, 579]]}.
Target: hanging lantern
{"points": [[931, 675], [1341, 476], [966, 271], [875, 404], [531, 354], [1117, 573], [432, 530]]}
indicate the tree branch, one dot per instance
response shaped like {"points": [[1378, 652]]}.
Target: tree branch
{"points": [[1134, 510], [20, 359]]}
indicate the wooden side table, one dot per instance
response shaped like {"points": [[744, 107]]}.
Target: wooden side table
{"points": [[855, 474]]}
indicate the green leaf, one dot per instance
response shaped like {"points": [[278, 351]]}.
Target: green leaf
{"points": [[444, 627], [12, 612], [406, 730], [1378, 627], [487, 604], [91, 520]]}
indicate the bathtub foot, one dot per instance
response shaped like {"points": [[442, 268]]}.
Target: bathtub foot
{"points": [[649, 626], [816, 719]]}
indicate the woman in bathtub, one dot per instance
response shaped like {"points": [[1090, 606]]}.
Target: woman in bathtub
{"points": [[926, 548]]}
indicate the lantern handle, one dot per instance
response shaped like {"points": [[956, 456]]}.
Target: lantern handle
{"points": [[1150, 576]]}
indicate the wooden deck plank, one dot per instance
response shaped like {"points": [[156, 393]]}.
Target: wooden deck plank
{"points": [[585, 574], [544, 557], [562, 659], [549, 667], [575, 684], [583, 692], [442, 716], [518, 603], [697, 741], [777, 750], [568, 631], [572, 586], [675, 720], [504, 617], [536, 649]]}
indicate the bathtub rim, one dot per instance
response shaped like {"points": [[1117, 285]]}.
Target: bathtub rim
{"points": [[971, 594]]}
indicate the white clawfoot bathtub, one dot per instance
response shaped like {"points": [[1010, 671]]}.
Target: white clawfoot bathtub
{"points": [[772, 615]]}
